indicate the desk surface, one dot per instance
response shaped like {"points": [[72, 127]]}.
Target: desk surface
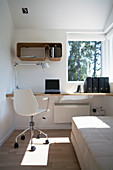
{"points": [[63, 94]]}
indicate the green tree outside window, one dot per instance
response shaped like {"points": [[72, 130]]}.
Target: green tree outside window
{"points": [[84, 59]]}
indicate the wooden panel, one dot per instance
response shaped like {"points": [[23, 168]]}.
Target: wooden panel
{"points": [[62, 94], [54, 59], [61, 154]]}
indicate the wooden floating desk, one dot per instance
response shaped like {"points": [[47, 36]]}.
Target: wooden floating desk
{"points": [[64, 94]]}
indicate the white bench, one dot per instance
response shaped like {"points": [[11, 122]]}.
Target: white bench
{"points": [[92, 138]]}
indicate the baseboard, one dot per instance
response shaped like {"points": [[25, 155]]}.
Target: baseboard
{"points": [[6, 137], [57, 126]]}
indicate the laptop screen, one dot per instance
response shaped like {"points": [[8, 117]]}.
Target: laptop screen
{"points": [[52, 84]]}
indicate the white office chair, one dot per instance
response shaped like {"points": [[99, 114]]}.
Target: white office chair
{"points": [[25, 104]]}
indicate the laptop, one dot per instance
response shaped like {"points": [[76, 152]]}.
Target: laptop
{"points": [[52, 86]]}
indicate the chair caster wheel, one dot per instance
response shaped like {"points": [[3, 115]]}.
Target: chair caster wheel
{"points": [[22, 137], [39, 136], [33, 148], [47, 141], [16, 145]]}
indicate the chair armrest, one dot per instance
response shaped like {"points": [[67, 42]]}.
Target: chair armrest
{"points": [[46, 98]]}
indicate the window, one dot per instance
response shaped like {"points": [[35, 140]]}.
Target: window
{"points": [[84, 59]]}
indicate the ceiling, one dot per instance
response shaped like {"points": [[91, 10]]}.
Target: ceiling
{"points": [[61, 14]]}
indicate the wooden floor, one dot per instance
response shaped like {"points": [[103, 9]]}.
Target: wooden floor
{"points": [[61, 155]]}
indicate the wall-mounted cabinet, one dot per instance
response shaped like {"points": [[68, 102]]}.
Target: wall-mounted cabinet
{"points": [[39, 51]]}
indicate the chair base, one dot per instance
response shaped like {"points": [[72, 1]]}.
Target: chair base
{"points": [[31, 128], [33, 148]]}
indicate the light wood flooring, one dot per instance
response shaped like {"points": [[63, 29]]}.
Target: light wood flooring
{"points": [[61, 156]]}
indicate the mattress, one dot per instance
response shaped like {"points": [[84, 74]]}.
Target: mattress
{"points": [[92, 138]]}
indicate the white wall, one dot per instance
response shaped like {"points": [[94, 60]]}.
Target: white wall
{"points": [[34, 76], [109, 22], [108, 104], [6, 34], [31, 76], [21, 122]]}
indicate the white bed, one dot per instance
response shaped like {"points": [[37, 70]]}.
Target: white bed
{"points": [[92, 138]]}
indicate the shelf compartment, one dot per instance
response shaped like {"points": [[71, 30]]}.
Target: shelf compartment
{"points": [[55, 52], [38, 51]]}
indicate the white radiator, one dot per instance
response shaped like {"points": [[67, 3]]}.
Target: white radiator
{"points": [[63, 113]]}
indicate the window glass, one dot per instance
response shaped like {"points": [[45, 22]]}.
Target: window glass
{"points": [[84, 59]]}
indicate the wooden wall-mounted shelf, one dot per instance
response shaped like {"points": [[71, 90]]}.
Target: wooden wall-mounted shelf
{"points": [[38, 51], [65, 94]]}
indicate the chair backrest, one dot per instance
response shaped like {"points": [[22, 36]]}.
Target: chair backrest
{"points": [[25, 103]]}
